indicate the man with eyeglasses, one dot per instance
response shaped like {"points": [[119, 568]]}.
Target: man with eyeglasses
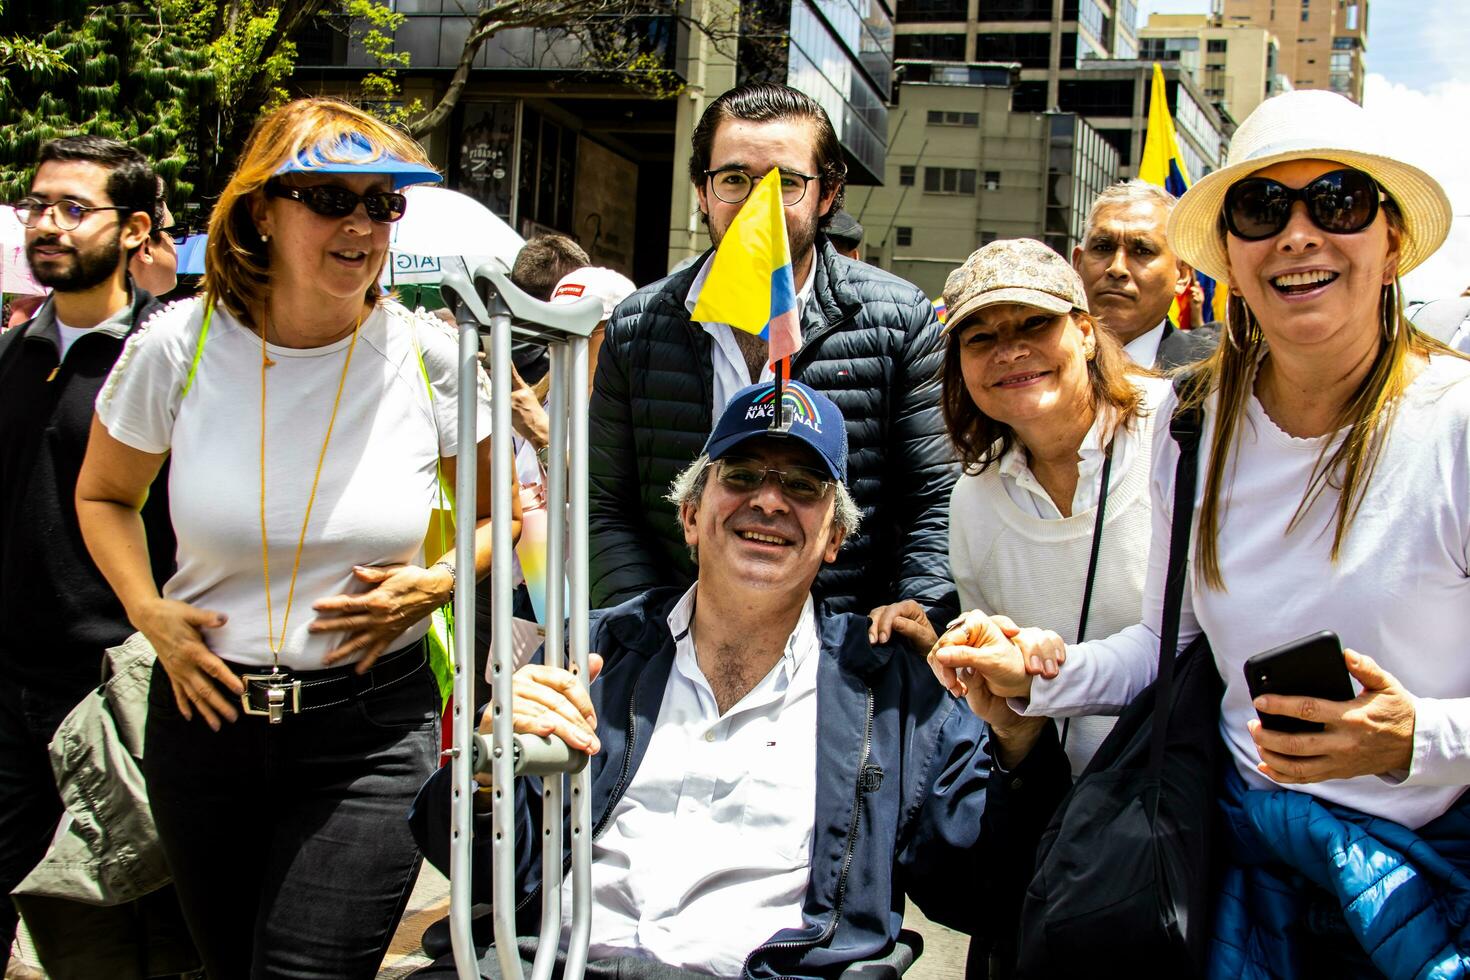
{"points": [[89, 211], [870, 341], [766, 782]]}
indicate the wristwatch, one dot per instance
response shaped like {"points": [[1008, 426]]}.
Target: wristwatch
{"points": [[544, 456]]}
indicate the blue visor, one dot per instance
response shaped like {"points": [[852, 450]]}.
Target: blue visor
{"points": [[353, 154]]}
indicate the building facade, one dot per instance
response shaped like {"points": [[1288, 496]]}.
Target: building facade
{"points": [[1237, 66], [1049, 40], [964, 169], [1323, 42], [551, 142]]}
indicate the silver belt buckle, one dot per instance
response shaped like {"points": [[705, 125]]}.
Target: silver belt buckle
{"points": [[277, 688]]}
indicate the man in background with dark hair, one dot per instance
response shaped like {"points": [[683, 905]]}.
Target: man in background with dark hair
{"points": [[540, 265], [870, 342], [89, 210], [155, 266]]}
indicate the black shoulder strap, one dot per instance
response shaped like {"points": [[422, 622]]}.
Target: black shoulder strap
{"points": [[1185, 426]]}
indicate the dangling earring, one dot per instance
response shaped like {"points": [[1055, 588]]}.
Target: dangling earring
{"points": [[1388, 301]]}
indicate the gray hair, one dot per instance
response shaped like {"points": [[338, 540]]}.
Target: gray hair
{"points": [[688, 488], [1131, 191]]}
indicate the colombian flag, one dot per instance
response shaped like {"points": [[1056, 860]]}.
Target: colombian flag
{"points": [[750, 284], [1163, 165]]}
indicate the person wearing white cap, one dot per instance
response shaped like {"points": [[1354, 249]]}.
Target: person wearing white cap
{"points": [[1335, 495], [307, 419], [528, 413]]}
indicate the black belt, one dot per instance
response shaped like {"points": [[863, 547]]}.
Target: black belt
{"points": [[280, 692]]}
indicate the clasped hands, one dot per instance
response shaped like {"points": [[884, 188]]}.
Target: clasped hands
{"points": [[986, 659]]}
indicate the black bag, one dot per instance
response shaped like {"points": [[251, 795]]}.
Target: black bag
{"points": [[1123, 871]]}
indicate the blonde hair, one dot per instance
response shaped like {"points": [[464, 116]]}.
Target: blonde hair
{"points": [[1367, 415], [237, 272]]}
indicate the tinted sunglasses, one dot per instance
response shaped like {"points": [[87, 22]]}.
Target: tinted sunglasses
{"points": [[801, 483], [1341, 202], [333, 201]]}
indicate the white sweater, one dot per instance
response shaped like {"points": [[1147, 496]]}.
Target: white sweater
{"points": [[1007, 560], [1399, 591]]}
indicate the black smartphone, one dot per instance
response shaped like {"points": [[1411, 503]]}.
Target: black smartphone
{"points": [[1308, 667]]}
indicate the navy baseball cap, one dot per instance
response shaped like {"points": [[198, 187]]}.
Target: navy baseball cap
{"points": [[806, 414], [353, 154]]}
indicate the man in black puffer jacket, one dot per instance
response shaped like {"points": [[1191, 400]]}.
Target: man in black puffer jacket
{"points": [[870, 342]]}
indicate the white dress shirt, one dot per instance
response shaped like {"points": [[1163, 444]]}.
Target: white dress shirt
{"points": [[1026, 492], [707, 854], [1143, 350], [731, 371]]}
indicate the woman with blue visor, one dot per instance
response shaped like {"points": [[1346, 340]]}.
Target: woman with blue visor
{"points": [[306, 419]]}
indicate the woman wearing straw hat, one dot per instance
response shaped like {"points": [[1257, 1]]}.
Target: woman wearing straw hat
{"points": [[1335, 495], [307, 420]]}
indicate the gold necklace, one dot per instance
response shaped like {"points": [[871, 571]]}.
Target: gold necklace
{"points": [[265, 553]]}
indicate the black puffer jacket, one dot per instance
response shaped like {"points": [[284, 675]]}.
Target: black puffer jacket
{"points": [[870, 342]]}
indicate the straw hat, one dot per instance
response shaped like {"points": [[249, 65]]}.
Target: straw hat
{"points": [[1309, 125]]}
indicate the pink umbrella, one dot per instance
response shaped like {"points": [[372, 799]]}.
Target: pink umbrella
{"points": [[15, 271]]}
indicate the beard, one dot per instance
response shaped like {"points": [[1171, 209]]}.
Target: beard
{"points": [[801, 237], [79, 271]]}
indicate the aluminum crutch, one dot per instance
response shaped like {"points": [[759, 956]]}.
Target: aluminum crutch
{"points": [[565, 329]]}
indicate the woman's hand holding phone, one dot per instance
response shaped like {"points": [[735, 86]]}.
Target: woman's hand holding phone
{"points": [[1370, 735]]}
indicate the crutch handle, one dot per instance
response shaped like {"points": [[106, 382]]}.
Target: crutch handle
{"points": [[535, 755]]}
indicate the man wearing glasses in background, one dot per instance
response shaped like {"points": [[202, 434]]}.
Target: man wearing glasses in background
{"points": [[90, 210], [870, 342]]}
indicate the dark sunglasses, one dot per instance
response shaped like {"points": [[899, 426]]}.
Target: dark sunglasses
{"points": [[332, 201], [800, 483], [1341, 202]]}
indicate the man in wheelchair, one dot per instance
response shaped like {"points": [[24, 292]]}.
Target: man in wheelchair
{"points": [[768, 784]]}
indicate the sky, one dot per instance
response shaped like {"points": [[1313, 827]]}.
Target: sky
{"points": [[1418, 90]]}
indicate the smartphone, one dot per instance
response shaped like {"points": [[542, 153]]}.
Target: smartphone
{"points": [[1308, 667]]}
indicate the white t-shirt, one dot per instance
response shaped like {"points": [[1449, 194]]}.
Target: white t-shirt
{"points": [[1398, 592], [378, 481]]}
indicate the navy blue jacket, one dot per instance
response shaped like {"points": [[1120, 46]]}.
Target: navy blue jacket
{"points": [[906, 796], [1404, 894]]}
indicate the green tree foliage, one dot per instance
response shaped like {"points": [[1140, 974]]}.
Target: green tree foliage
{"points": [[119, 71]]}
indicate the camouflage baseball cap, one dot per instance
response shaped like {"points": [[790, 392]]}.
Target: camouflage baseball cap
{"points": [[1013, 270]]}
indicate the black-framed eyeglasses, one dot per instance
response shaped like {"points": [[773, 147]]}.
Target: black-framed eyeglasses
{"points": [[66, 214], [733, 185], [1342, 202], [179, 233], [334, 201], [801, 483]]}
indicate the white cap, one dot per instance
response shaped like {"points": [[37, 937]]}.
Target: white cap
{"points": [[591, 280]]}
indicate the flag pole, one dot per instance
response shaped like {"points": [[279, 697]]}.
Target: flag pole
{"points": [[779, 422]]}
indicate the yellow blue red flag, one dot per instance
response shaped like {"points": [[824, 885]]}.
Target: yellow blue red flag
{"points": [[750, 284], [1163, 165]]}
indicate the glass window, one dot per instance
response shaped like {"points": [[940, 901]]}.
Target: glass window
{"points": [[949, 180], [992, 180], [1215, 46], [930, 47], [942, 117], [486, 154], [1030, 50], [1091, 16], [1024, 10], [906, 176], [903, 236], [928, 11]]}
